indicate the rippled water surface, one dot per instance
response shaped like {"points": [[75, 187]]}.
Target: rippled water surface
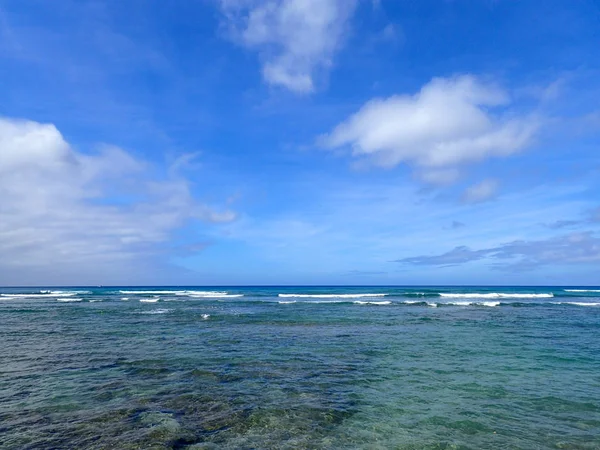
{"points": [[232, 368]]}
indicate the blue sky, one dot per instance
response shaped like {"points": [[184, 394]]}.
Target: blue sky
{"points": [[299, 142]]}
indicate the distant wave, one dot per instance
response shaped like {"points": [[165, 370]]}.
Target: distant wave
{"points": [[491, 304], [214, 295], [372, 303], [44, 295], [419, 303], [496, 295], [69, 299], [283, 302], [577, 303], [582, 290], [147, 292], [186, 293], [329, 295], [149, 300], [419, 294]]}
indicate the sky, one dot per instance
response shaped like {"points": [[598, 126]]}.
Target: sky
{"points": [[247, 142]]}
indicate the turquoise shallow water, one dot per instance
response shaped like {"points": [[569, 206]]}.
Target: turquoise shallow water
{"points": [[300, 367]]}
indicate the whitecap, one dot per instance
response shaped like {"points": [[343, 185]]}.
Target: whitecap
{"points": [[185, 293], [287, 302], [214, 295], [147, 292], [65, 292], [157, 311], [149, 300], [329, 295], [495, 295], [205, 316], [69, 300], [124, 298], [491, 304]]}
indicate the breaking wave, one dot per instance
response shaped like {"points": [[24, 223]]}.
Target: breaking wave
{"points": [[329, 295], [185, 293], [495, 295]]}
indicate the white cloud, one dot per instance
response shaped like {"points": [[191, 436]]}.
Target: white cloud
{"points": [[448, 123], [296, 38], [480, 192], [63, 210]]}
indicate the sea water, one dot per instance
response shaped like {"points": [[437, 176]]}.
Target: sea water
{"points": [[300, 367]]}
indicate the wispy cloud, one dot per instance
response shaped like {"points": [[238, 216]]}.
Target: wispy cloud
{"points": [[590, 217], [480, 192], [574, 248], [296, 39], [64, 210]]}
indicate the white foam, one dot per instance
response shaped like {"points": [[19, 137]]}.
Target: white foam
{"points": [[65, 292], [96, 300], [495, 295], [205, 316], [283, 302], [148, 292], [157, 311], [491, 304], [68, 299], [576, 303], [329, 295], [57, 294], [420, 302], [373, 303], [340, 301], [124, 298], [184, 293], [149, 300], [582, 290], [214, 295]]}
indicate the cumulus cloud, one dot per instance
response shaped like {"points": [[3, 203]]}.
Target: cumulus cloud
{"points": [[295, 38], [480, 192], [574, 248], [448, 123], [61, 209]]}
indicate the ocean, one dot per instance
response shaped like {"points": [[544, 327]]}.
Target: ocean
{"points": [[300, 368]]}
